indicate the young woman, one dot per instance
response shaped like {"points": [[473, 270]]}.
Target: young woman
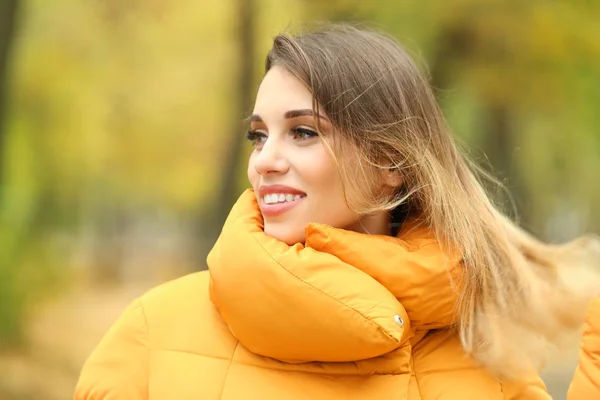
{"points": [[366, 262]]}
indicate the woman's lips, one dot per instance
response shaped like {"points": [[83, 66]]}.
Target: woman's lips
{"points": [[275, 209]]}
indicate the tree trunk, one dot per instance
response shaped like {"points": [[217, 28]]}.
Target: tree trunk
{"points": [[8, 17], [499, 146], [456, 46], [234, 155], [211, 220]]}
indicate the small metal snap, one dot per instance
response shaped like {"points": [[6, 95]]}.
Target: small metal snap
{"points": [[399, 320]]}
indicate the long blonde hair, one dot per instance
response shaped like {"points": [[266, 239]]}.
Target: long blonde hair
{"points": [[518, 295]]}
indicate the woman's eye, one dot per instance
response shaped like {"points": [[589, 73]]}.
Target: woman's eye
{"points": [[256, 138], [303, 133]]}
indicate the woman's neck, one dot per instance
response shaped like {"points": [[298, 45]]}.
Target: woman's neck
{"points": [[374, 224]]}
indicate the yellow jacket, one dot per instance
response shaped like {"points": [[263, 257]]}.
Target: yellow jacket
{"points": [[344, 316], [586, 383]]}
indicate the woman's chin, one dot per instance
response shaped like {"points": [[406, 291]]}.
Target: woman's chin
{"points": [[290, 236]]}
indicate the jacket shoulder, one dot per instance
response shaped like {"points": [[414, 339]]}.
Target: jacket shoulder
{"points": [[439, 363], [161, 328], [181, 317], [188, 289], [586, 382], [117, 368]]}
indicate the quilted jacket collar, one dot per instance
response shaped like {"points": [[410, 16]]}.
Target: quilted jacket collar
{"points": [[342, 296]]}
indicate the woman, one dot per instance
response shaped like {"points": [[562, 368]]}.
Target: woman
{"points": [[366, 262]]}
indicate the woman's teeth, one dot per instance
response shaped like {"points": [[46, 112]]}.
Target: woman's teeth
{"points": [[274, 198]]}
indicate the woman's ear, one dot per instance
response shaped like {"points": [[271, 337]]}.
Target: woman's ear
{"points": [[392, 178]]}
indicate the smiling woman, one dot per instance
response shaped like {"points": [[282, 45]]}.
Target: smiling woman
{"points": [[290, 159], [366, 261]]}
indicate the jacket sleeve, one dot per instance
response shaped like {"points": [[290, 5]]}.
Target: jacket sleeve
{"points": [[118, 368], [530, 387], [586, 382], [444, 372]]}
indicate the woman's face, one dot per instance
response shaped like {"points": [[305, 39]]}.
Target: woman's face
{"points": [[295, 178]]}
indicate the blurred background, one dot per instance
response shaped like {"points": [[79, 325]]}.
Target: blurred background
{"points": [[122, 146]]}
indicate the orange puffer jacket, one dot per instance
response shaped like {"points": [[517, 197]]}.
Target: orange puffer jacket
{"points": [[344, 316], [586, 383]]}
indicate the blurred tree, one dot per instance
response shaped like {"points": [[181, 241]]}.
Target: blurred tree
{"points": [[213, 216], [10, 296], [511, 66], [8, 17], [234, 160], [456, 44]]}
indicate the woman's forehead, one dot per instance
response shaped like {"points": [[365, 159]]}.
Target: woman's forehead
{"points": [[279, 92]]}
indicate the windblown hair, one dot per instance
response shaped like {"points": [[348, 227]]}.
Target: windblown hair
{"points": [[517, 295]]}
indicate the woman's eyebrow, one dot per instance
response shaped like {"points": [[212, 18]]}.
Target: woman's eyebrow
{"points": [[290, 114], [301, 113]]}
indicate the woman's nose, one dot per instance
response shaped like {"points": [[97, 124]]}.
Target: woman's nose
{"points": [[271, 159]]}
